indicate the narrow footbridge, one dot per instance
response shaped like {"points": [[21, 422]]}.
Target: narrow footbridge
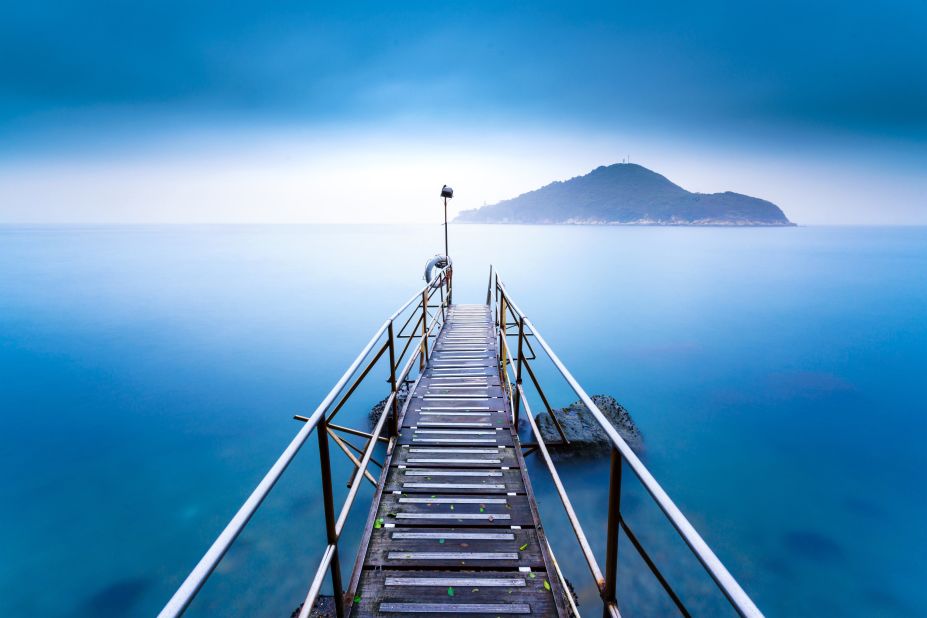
{"points": [[453, 526], [456, 514]]}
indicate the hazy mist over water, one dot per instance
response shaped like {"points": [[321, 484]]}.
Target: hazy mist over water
{"points": [[148, 376]]}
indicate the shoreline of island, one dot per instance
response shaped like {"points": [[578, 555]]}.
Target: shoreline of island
{"points": [[635, 223]]}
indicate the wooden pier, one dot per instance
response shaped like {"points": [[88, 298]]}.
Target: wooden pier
{"points": [[454, 528]]}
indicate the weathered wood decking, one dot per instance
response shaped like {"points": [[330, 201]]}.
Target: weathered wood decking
{"points": [[454, 527]]}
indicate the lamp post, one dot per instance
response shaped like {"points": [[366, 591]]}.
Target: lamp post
{"points": [[446, 192]]}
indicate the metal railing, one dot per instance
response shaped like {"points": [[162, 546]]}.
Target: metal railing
{"points": [[385, 340], [519, 364]]}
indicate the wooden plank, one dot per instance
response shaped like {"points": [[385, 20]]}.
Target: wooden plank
{"points": [[522, 544], [485, 433], [493, 378], [467, 436], [462, 380], [455, 457], [507, 582], [401, 533], [463, 450], [390, 607], [468, 588], [453, 480], [428, 558], [451, 500], [451, 416], [513, 512], [480, 348], [461, 400], [458, 392]]}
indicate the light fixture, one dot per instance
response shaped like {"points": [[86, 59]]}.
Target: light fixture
{"points": [[446, 192]]}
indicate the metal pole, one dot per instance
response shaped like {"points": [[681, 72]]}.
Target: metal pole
{"points": [[446, 254], [424, 357], [502, 365], [325, 464], [441, 289], [611, 544], [392, 381], [497, 296], [521, 335], [489, 287]]}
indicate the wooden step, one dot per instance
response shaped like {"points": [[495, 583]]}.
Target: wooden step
{"points": [[402, 547], [454, 480], [472, 593]]}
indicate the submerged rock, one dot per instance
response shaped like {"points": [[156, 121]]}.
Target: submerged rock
{"points": [[585, 434], [375, 411], [324, 608]]}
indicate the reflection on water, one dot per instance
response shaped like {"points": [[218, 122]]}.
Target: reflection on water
{"points": [[148, 376]]}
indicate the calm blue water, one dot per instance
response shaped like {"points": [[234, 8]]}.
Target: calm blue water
{"points": [[148, 376]]}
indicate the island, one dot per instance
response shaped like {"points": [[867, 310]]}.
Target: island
{"points": [[627, 194]]}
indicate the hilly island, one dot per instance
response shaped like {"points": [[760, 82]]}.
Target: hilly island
{"points": [[627, 194]]}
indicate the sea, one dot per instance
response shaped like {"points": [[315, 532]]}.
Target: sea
{"points": [[149, 376]]}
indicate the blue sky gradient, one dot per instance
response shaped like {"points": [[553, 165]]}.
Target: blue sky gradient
{"points": [[692, 87]]}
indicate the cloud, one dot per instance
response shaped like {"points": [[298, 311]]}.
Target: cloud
{"points": [[730, 66], [188, 111]]}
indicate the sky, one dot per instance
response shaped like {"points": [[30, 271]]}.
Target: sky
{"points": [[279, 112]]}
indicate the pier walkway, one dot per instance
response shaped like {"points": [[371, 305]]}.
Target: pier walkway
{"points": [[455, 528]]}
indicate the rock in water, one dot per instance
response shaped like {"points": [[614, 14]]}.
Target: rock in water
{"points": [[582, 430], [374, 414], [324, 608]]}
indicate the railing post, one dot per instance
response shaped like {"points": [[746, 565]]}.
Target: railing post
{"points": [[611, 544], [392, 382], [450, 284], [441, 289], [521, 334], [489, 287], [502, 366], [325, 464], [424, 357], [497, 295]]}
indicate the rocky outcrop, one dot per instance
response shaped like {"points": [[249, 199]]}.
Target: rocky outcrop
{"points": [[375, 411], [585, 435], [324, 608]]}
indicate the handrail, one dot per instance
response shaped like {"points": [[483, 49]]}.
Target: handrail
{"points": [[349, 501], [191, 586], [735, 594], [317, 579]]}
